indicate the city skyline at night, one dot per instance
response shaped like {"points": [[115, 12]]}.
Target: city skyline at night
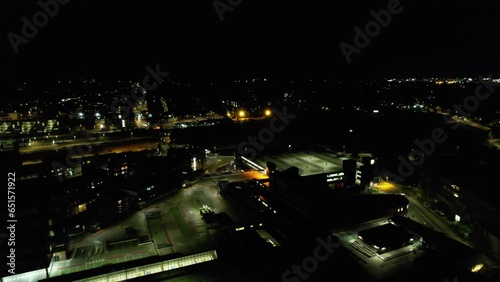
{"points": [[235, 140]]}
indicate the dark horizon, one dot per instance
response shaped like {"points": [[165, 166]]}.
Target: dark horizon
{"points": [[226, 139], [254, 39]]}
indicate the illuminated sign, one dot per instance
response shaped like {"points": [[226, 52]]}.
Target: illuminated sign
{"points": [[338, 176]]}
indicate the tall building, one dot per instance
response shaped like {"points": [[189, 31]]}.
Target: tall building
{"points": [[39, 224], [349, 167]]}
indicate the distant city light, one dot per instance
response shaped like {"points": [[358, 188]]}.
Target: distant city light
{"points": [[268, 112], [241, 113]]}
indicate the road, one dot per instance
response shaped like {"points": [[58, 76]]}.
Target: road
{"points": [[494, 143], [171, 224], [137, 146], [37, 146], [427, 217]]}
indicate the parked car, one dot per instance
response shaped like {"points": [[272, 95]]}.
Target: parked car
{"points": [[95, 227], [206, 210], [130, 230]]}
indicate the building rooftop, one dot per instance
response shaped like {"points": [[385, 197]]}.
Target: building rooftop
{"points": [[431, 256], [386, 235]]}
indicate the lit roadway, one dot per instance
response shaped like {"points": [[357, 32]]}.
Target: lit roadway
{"points": [[494, 143], [170, 224], [425, 216], [189, 121], [491, 142], [69, 143], [315, 162], [467, 121], [421, 214], [135, 145]]}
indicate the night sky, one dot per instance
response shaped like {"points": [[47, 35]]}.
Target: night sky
{"points": [[281, 39]]}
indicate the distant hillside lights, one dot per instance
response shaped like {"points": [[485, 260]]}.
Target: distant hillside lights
{"points": [[40, 19], [427, 146], [128, 102]]}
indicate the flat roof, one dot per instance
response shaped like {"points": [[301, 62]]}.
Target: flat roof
{"points": [[386, 235], [308, 163]]}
